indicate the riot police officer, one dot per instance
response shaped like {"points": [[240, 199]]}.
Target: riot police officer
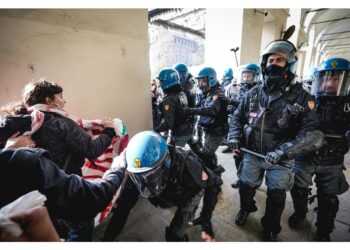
{"points": [[169, 176], [189, 89], [275, 119], [249, 75], [213, 116], [331, 90], [187, 83], [226, 79], [179, 124]]}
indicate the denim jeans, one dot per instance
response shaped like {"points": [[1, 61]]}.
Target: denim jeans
{"points": [[276, 177]]}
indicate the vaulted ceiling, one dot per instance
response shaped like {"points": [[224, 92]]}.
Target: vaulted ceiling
{"points": [[331, 30]]}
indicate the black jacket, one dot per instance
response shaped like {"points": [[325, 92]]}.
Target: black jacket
{"points": [[334, 115], [213, 113], [69, 144], [264, 122], [68, 196], [173, 119]]}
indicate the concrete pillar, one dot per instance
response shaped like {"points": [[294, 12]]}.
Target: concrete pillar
{"points": [[223, 29], [310, 52], [274, 24], [298, 39], [253, 23]]}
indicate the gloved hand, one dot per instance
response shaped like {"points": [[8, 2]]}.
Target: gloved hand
{"points": [[234, 144], [207, 233], [274, 157]]}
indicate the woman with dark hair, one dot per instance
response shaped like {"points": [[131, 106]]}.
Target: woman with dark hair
{"points": [[67, 143]]}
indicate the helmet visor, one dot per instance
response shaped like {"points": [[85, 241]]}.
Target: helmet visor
{"points": [[283, 48], [248, 77], [183, 76], [331, 83], [152, 182]]}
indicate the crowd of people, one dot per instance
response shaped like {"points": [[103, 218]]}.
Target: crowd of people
{"points": [[276, 127]]}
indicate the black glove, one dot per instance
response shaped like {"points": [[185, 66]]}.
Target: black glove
{"points": [[234, 144], [274, 157], [206, 225]]}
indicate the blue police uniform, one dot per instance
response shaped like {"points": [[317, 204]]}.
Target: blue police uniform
{"points": [[326, 164]]}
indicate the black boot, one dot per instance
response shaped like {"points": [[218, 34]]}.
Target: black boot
{"points": [[299, 197], [269, 235], [246, 195], [236, 184], [226, 150], [170, 236], [219, 170], [327, 211], [275, 203]]}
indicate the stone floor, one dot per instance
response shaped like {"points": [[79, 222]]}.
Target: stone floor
{"points": [[147, 223]]}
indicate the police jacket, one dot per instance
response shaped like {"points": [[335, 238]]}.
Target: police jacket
{"points": [[266, 121], [333, 113], [225, 83], [68, 143], [68, 196], [213, 113], [156, 113], [185, 181], [190, 92], [173, 118]]}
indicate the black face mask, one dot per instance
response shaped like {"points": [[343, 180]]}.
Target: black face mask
{"points": [[274, 77]]}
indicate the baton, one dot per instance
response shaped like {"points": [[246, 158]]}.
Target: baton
{"points": [[334, 136], [281, 163]]}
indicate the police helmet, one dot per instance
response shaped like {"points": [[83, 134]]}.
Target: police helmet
{"points": [[148, 163], [228, 74], [284, 48], [332, 78], [208, 73], [168, 78], [182, 69], [250, 73]]}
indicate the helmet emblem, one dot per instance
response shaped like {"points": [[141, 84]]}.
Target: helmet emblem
{"points": [[334, 64], [137, 163]]}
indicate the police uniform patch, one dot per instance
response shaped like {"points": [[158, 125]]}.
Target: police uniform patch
{"points": [[311, 105], [137, 163], [166, 107], [215, 97]]}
